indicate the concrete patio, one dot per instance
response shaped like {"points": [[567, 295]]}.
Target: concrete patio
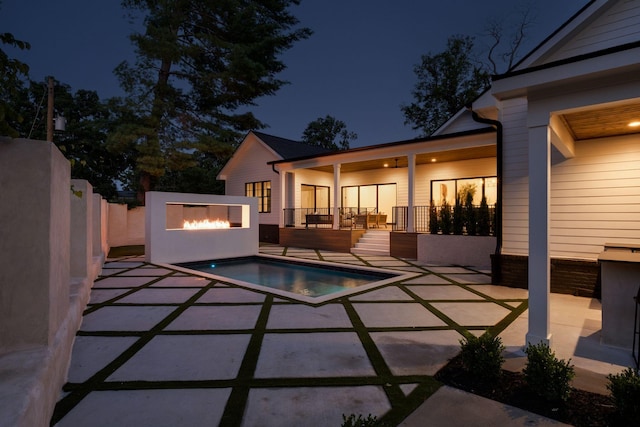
{"points": [[162, 347]]}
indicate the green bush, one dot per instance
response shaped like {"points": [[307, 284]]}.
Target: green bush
{"points": [[547, 376], [352, 421], [470, 214], [484, 220], [433, 218], [482, 357], [625, 392], [445, 218], [458, 217]]}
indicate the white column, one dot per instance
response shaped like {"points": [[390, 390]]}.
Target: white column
{"points": [[283, 200], [411, 189], [336, 196], [539, 263]]}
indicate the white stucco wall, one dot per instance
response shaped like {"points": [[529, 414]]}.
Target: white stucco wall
{"points": [[126, 226], [82, 226], [171, 246]]}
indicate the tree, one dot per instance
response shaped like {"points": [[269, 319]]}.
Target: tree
{"points": [[328, 132], [500, 60], [12, 72], [199, 65], [447, 81]]}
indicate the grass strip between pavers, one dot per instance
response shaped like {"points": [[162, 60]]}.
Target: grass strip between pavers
{"points": [[241, 386], [237, 402], [393, 391], [67, 403]]}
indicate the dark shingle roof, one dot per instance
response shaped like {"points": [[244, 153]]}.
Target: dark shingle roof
{"points": [[289, 149]]}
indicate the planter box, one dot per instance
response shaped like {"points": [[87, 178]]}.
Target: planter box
{"points": [[456, 250]]}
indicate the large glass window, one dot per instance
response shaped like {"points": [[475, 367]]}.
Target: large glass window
{"points": [[314, 197], [372, 198], [261, 190], [446, 190]]}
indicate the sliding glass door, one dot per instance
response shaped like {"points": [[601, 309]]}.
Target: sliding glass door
{"points": [[378, 198]]}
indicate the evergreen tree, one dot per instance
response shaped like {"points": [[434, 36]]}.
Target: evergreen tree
{"points": [[199, 65]]}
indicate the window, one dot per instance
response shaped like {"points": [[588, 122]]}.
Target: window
{"points": [[370, 198], [446, 190], [314, 198], [261, 190]]}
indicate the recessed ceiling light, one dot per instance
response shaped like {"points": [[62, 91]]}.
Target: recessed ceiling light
{"points": [[634, 124]]}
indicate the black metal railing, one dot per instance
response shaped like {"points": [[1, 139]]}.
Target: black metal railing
{"points": [[474, 220], [322, 217]]}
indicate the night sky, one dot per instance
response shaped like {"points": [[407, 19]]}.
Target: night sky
{"points": [[357, 66]]}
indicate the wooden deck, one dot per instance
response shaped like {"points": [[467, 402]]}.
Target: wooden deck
{"points": [[320, 238]]}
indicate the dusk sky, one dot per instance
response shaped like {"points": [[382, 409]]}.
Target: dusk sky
{"points": [[357, 66]]}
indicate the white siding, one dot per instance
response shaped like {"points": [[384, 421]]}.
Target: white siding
{"points": [[515, 182], [250, 165], [311, 177], [618, 25], [595, 197]]}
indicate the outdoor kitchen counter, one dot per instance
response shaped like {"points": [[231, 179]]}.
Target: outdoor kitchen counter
{"points": [[620, 276]]}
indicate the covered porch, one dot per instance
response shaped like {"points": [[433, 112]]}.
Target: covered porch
{"points": [[329, 201]]}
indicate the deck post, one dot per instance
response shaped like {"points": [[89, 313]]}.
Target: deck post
{"points": [[539, 264], [336, 196], [411, 189]]}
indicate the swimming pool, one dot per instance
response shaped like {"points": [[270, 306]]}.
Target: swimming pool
{"points": [[311, 281]]}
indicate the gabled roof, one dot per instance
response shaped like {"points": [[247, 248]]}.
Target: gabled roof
{"points": [[288, 148]]}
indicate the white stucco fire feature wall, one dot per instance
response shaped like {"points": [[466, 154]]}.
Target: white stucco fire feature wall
{"points": [[165, 243]]}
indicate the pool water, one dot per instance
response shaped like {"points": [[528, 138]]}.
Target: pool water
{"points": [[300, 278]]}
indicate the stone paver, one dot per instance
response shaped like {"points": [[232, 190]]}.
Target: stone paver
{"points": [[252, 358]]}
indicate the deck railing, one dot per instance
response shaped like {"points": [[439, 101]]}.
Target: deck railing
{"points": [[321, 217], [479, 220]]}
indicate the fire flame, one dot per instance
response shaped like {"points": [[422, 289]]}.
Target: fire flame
{"points": [[205, 224]]}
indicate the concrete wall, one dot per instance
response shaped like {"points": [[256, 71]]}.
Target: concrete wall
{"points": [[456, 250], [168, 246], [35, 243], [126, 226], [46, 237], [82, 232]]}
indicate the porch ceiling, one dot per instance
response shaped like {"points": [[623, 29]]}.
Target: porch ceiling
{"points": [[603, 122], [421, 159]]}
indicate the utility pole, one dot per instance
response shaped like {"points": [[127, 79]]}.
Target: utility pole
{"points": [[50, 110]]}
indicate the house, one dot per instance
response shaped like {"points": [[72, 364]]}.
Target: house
{"points": [[554, 144]]}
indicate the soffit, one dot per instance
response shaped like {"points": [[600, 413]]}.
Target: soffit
{"points": [[421, 159], [603, 122]]}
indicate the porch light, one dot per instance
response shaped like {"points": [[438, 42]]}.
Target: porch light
{"points": [[433, 160], [634, 124], [386, 165]]}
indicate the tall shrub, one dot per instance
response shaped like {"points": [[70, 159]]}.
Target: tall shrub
{"points": [[445, 218], [458, 217], [470, 213], [433, 218], [484, 220]]}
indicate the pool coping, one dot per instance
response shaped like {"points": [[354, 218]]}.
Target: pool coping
{"points": [[397, 277]]}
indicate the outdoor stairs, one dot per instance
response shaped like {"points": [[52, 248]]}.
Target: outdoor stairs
{"points": [[373, 242]]}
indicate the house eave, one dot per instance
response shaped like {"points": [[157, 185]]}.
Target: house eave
{"points": [[622, 59]]}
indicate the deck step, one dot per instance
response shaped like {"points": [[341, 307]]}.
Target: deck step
{"points": [[373, 242]]}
